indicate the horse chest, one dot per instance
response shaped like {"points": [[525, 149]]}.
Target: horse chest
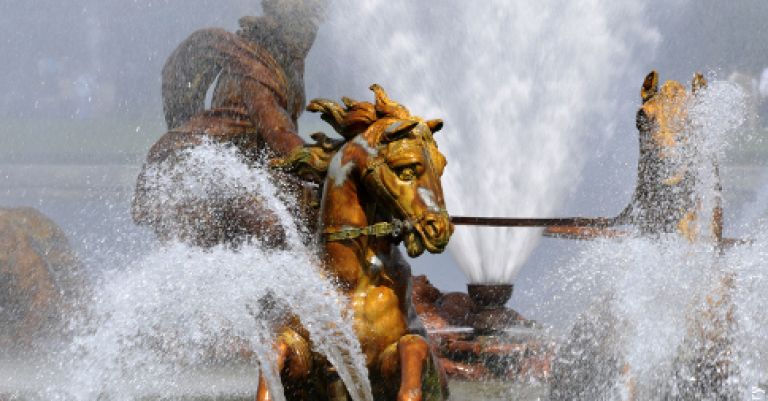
{"points": [[378, 319]]}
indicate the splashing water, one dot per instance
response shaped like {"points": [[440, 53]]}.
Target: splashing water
{"points": [[670, 319], [215, 173], [715, 114], [521, 86], [656, 324], [178, 309]]}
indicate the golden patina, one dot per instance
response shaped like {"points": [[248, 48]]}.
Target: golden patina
{"points": [[665, 198], [381, 187]]}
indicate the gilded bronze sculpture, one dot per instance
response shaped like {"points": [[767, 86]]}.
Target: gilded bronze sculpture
{"points": [[382, 187], [664, 198], [665, 201]]}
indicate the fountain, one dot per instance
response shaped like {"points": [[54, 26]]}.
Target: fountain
{"points": [[518, 97], [237, 285], [489, 299]]}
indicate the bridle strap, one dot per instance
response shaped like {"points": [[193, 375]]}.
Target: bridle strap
{"points": [[381, 229], [378, 230], [371, 172]]}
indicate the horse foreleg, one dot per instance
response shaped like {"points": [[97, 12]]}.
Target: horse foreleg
{"points": [[629, 388], [413, 351], [263, 393], [294, 360]]}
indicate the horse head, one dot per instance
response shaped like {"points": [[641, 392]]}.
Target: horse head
{"points": [[663, 117], [392, 168], [667, 169]]}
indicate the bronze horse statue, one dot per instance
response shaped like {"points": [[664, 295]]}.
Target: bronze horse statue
{"points": [[382, 187], [665, 198], [590, 364]]}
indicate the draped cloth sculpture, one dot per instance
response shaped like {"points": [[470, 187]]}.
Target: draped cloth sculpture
{"points": [[258, 94]]}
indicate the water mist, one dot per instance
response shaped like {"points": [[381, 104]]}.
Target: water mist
{"points": [[158, 324], [669, 318]]}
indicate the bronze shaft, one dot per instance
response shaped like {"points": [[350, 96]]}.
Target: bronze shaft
{"points": [[532, 222]]}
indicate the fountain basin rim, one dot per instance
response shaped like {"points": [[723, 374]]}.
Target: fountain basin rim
{"points": [[490, 295]]}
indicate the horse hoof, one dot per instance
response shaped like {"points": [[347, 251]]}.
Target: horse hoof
{"points": [[409, 395]]}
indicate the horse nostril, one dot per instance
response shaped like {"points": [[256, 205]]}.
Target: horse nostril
{"points": [[432, 228]]}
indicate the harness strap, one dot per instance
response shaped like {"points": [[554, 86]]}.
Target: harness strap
{"points": [[381, 229]]}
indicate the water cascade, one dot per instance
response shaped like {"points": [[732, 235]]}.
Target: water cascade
{"points": [[179, 309], [668, 318]]}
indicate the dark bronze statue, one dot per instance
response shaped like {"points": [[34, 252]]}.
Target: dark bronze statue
{"points": [[257, 99]]}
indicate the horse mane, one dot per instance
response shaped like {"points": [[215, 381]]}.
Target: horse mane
{"points": [[354, 117]]}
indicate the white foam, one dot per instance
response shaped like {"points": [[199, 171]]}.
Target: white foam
{"points": [[160, 320]]}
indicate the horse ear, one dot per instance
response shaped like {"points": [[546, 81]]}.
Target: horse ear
{"points": [[349, 102], [386, 106], [650, 86], [435, 125], [699, 82], [331, 112], [398, 129]]}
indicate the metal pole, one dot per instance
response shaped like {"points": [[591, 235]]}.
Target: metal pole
{"points": [[532, 222]]}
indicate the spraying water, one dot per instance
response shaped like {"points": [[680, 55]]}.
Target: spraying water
{"points": [[670, 319], [180, 309], [521, 87]]}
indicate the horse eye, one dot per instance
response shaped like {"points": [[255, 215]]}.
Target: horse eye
{"points": [[407, 173]]}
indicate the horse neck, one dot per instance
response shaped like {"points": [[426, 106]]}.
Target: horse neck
{"points": [[344, 206], [341, 208]]}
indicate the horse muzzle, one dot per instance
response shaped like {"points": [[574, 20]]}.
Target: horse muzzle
{"points": [[434, 230]]}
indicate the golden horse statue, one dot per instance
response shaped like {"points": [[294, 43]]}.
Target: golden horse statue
{"points": [[382, 187], [665, 201], [665, 198]]}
